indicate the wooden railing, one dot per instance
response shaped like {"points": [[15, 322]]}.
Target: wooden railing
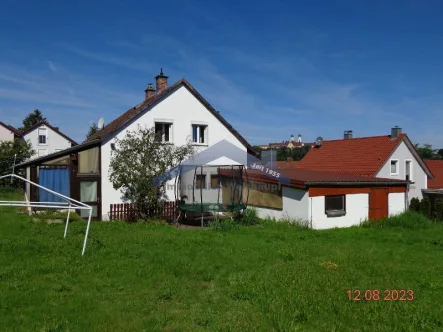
{"points": [[127, 211]]}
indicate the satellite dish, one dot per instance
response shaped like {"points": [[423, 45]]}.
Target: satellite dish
{"points": [[319, 141], [101, 123]]}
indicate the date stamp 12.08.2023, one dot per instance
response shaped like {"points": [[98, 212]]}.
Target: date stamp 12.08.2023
{"points": [[380, 295]]}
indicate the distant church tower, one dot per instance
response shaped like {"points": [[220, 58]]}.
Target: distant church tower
{"points": [[299, 138]]}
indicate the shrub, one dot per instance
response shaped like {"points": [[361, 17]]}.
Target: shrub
{"points": [[438, 209], [408, 219], [249, 217], [415, 204], [223, 225], [425, 207]]}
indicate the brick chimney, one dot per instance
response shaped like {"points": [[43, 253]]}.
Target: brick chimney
{"points": [[161, 81], [150, 91]]}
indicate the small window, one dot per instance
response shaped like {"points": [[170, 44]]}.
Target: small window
{"points": [[215, 182], [42, 135], [199, 134], [200, 181], [163, 132], [408, 170], [335, 205], [394, 167]]}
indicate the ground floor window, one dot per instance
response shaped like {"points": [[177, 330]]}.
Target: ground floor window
{"points": [[89, 195], [335, 205]]}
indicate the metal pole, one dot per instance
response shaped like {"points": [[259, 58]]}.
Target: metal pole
{"points": [[13, 166], [67, 220], [46, 189], [87, 232]]}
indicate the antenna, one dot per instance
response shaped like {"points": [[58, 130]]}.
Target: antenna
{"points": [[100, 123], [319, 141]]}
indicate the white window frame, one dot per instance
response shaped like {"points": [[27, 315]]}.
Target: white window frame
{"points": [[411, 173], [58, 150], [38, 136], [205, 137], [164, 122], [397, 168]]}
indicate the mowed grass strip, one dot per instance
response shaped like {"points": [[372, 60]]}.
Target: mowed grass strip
{"points": [[270, 277]]}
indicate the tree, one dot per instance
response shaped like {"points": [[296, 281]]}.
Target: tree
{"points": [[440, 153], [138, 164], [31, 119], [18, 149], [427, 152], [92, 130]]}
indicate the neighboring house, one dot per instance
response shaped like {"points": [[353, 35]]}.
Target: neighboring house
{"points": [[436, 167], [7, 132], [390, 157], [291, 144], [178, 112], [46, 139]]}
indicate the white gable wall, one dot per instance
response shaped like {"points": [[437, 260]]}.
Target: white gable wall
{"points": [[6, 134], [180, 108], [419, 177], [54, 141]]}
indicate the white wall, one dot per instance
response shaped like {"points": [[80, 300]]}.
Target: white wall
{"points": [[357, 208], [182, 109], [402, 153], [295, 205], [396, 202], [54, 141], [6, 134]]}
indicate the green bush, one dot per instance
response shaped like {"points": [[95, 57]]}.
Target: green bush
{"points": [[425, 207], [249, 217], [408, 219], [415, 204], [438, 209]]}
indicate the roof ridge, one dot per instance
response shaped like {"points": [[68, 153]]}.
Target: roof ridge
{"points": [[360, 138]]}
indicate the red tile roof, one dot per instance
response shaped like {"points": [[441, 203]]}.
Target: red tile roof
{"points": [[436, 167], [362, 156], [286, 164]]}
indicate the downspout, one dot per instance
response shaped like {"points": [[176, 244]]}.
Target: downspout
{"points": [[311, 210]]}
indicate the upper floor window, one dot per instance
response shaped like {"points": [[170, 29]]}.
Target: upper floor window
{"points": [[394, 167], [88, 162], [163, 132], [42, 135], [408, 170], [199, 134]]}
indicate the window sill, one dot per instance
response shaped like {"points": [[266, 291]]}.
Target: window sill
{"points": [[394, 174], [333, 214], [41, 144], [200, 144]]}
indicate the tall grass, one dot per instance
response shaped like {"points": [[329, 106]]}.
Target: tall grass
{"points": [[408, 219]]}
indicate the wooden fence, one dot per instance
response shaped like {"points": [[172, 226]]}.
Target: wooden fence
{"points": [[127, 211]]}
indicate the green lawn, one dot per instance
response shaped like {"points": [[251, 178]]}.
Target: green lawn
{"points": [[141, 277]]}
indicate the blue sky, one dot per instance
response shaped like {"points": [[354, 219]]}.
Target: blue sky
{"points": [[272, 69]]}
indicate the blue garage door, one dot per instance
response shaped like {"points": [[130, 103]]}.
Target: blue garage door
{"points": [[56, 179]]}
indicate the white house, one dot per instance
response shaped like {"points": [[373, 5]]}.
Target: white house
{"points": [[7, 132], [46, 139], [177, 111], [389, 157]]}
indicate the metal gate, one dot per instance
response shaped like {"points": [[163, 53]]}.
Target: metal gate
{"points": [[56, 179]]}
